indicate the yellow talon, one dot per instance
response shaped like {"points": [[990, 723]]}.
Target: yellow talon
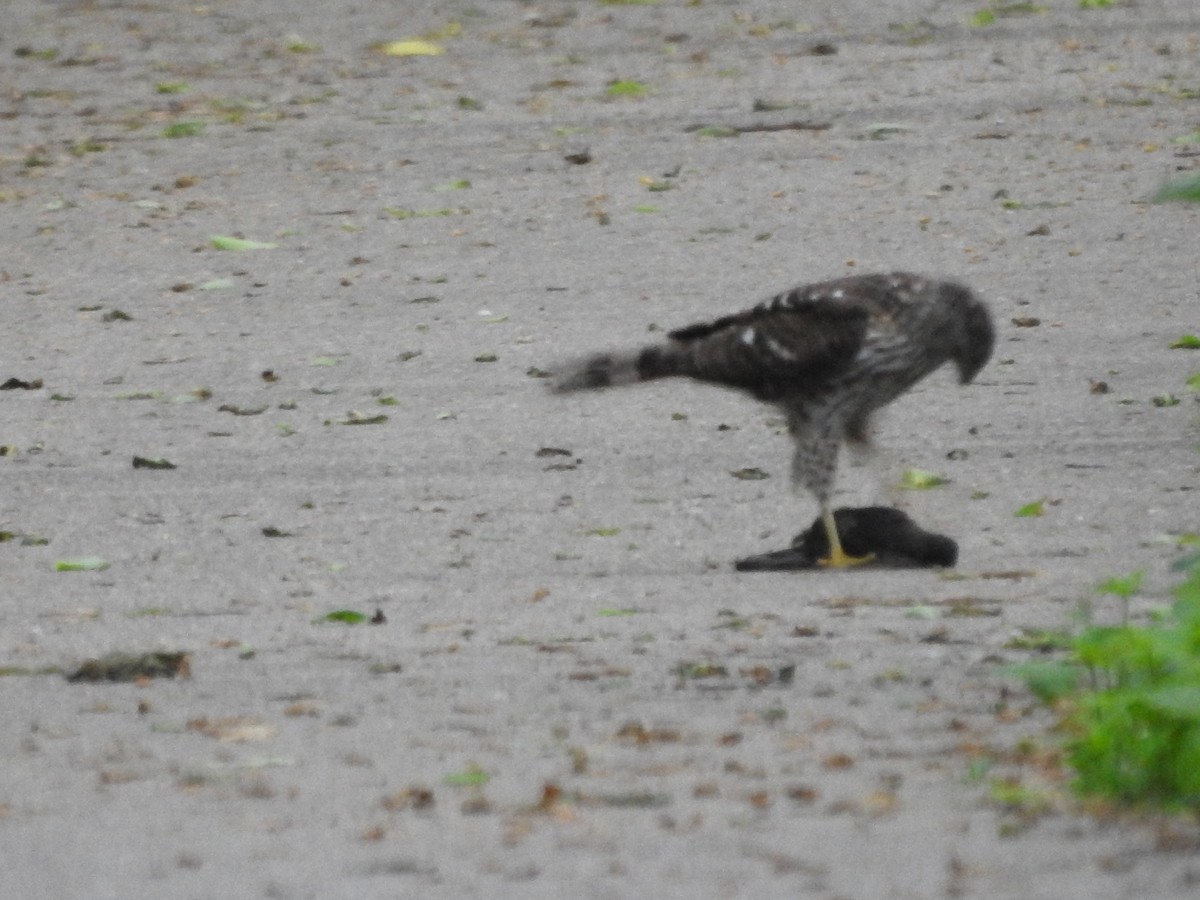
{"points": [[842, 560], [838, 558]]}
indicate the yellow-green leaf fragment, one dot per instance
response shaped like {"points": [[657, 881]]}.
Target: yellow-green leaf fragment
{"points": [[81, 564], [413, 47], [603, 532], [1029, 510], [224, 242], [346, 616], [471, 776], [1186, 342], [626, 89], [919, 479], [1193, 383], [982, 18]]}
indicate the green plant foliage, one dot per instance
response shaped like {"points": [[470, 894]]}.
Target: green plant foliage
{"points": [[1123, 586], [1183, 190], [1131, 695]]}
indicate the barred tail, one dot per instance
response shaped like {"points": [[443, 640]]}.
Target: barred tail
{"points": [[611, 369]]}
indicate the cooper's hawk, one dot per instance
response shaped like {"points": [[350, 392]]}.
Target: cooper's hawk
{"points": [[827, 354]]}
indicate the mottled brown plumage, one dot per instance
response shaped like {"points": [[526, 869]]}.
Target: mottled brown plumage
{"points": [[827, 354]]}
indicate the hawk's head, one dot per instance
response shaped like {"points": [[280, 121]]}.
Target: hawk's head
{"points": [[971, 332]]}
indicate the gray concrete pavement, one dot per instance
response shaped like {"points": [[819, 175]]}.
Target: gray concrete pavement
{"points": [[528, 722]]}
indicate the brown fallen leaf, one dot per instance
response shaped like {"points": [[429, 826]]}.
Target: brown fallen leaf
{"points": [[408, 798], [234, 729], [838, 761]]}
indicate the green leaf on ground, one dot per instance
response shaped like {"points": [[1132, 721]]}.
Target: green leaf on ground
{"points": [[183, 129], [1186, 342], [472, 776], [238, 245], [919, 479], [1036, 508], [81, 564], [346, 616], [627, 88], [412, 47]]}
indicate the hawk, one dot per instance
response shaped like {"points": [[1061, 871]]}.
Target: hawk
{"points": [[827, 355]]}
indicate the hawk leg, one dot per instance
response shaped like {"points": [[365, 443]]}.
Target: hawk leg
{"points": [[838, 558]]}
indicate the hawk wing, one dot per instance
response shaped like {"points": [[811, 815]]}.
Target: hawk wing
{"points": [[795, 342]]}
